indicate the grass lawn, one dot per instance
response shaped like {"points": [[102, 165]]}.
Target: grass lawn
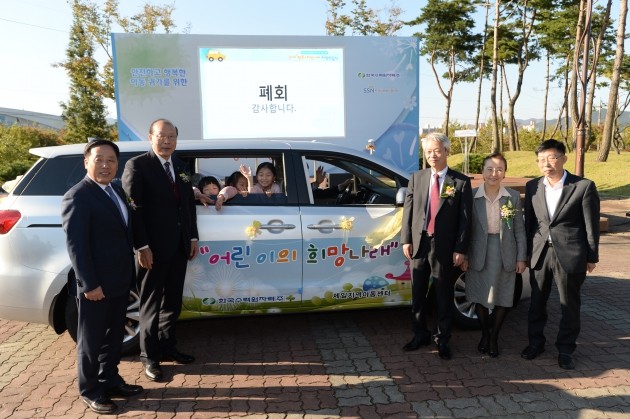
{"points": [[612, 177]]}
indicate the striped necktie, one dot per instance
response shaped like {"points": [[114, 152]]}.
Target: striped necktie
{"points": [[167, 167]]}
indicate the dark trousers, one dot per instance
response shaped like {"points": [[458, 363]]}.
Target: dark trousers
{"points": [[99, 340], [444, 276], [161, 290], [569, 290]]}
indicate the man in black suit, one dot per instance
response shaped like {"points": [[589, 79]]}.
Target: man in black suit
{"points": [[562, 226], [435, 234], [165, 237], [95, 217]]}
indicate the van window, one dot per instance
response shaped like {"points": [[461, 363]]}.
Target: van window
{"points": [[53, 177], [222, 167], [350, 181]]}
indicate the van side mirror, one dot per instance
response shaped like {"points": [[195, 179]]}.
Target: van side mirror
{"points": [[400, 196]]}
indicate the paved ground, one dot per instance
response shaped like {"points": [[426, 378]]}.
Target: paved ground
{"points": [[351, 365]]}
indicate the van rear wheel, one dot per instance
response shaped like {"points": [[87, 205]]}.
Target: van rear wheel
{"points": [[464, 311]]}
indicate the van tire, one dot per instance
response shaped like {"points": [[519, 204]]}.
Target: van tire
{"points": [[464, 315]]}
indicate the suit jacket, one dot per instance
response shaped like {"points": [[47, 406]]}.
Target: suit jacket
{"points": [[162, 219], [452, 221], [574, 228], [99, 242], [513, 240]]}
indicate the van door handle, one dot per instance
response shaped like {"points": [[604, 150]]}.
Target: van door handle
{"points": [[279, 226], [323, 226]]}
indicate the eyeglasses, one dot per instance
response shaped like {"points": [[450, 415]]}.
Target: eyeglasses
{"points": [[550, 159], [162, 137]]}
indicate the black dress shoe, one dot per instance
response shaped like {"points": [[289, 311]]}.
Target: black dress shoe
{"points": [[565, 361], [532, 352], [153, 371], [416, 343], [483, 344], [444, 351], [124, 390], [178, 357], [102, 405]]}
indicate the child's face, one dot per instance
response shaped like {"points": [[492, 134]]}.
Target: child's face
{"points": [[241, 184], [265, 177], [210, 189]]}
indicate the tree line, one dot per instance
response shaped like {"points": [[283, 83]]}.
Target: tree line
{"points": [[581, 42]]}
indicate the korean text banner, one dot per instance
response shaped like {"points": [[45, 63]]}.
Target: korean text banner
{"points": [[360, 92]]}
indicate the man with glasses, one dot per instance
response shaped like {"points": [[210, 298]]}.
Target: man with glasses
{"points": [[165, 238], [435, 235], [562, 226]]}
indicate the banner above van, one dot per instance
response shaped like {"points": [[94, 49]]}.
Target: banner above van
{"points": [[346, 90]]}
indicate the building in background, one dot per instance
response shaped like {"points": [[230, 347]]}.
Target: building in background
{"points": [[31, 119]]}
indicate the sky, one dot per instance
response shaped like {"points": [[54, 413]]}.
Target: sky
{"points": [[34, 35]]}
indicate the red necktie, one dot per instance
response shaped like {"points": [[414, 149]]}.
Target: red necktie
{"points": [[433, 204]]}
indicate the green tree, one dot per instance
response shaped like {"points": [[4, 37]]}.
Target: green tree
{"points": [[482, 69], [362, 20], [603, 41], [560, 30], [516, 46], [98, 22], [448, 39], [555, 32], [84, 113], [611, 115]]}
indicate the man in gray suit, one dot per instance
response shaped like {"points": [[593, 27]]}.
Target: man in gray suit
{"points": [[435, 234], [562, 226]]}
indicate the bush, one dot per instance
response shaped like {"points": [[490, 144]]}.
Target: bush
{"points": [[15, 141], [13, 169], [529, 140], [475, 163]]}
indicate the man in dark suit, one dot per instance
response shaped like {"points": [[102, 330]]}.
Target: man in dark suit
{"points": [[562, 226], [95, 218], [435, 233], [165, 237]]}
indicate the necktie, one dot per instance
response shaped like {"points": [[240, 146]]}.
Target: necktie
{"points": [[112, 195], [433, 204], [167, 167]]}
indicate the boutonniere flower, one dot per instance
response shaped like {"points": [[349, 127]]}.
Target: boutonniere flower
{"points": [[508, 212], [448, 191], [185, 177], [253, 230], [131, 203]]}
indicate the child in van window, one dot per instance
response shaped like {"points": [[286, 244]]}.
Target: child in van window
{"points": [[209, 186], [236, 184], [206, 190], [239, 181], [265, 179], [265, 176]]}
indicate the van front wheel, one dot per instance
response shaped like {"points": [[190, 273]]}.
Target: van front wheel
{"points": [[131, 340]]}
